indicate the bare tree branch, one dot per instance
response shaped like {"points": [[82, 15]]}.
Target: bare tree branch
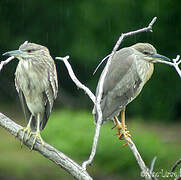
{"points": [[74, 78], [176, 164], [48, 151], [92, 97], [59, 158], [97, 102], [101, 82], [152, 168], [124, 35], [174, 64], [145, 170], [152, 164], [5, 62]]}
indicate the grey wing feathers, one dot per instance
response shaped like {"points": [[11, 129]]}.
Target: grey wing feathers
{"points": [[49, 95], [53, 80], [48, 108], [116, 96], [26, 111]]}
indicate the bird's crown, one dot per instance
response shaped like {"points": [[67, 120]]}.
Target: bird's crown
{"points": [[31, 47], [145, 48]]}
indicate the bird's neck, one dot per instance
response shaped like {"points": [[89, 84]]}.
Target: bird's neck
{"points": [[25, 64], [145, 69]]}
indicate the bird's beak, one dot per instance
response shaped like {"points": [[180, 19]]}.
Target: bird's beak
{"points": [[158, 56], [14, 53]]}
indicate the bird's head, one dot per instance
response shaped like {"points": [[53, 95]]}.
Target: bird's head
{"points": [[28, 51], [149, 52]]}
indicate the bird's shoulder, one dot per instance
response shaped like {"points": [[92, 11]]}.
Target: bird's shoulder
{"points": [[52, 77], [121, 64]]}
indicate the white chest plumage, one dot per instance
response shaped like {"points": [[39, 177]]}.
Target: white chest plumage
{"points": [[30, 86]]}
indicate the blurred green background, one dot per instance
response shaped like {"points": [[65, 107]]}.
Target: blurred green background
{"points": [[87, 31]]}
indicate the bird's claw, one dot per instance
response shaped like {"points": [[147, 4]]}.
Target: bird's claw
{"points": [[36, 136], [25, 130], [29, 134], [123, 133]]}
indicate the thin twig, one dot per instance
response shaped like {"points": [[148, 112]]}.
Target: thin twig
{"points": [[145, 171], [99, 96], [177, 163], [3, 63], [99, 121], [124, 35], [132, 146], [152, 164], [74, 78], [152, 168], [6, 62], [100, 63], [48, 151], [59, 158]]}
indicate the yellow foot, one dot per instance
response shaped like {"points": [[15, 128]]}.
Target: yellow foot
{"points": [[123, 133], [36, 136], [25, 130]]}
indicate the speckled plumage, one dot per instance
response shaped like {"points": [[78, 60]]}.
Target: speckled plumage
{"points": [[36, 82], [37, 86]]}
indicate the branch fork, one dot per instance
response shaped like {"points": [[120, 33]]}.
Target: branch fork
{"points": [[77, 171]]}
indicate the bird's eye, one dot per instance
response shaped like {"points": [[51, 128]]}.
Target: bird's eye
{"points": [[146, 52], [29, 50]]}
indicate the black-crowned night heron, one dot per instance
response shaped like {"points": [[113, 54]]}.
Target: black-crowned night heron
{"points": [[36, 83], [130, 69]]}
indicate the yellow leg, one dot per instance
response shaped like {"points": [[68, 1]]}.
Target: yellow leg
{"points": [[26, 129], [122, 129], [118, 125], [37, 133]]}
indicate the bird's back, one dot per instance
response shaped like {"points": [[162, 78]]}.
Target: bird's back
{"points": [[122, 83]]}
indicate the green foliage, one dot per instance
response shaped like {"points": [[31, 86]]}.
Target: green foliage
{"points": [[87, 31], [72, 133]]}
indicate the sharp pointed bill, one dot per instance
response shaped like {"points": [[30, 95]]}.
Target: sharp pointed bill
{"points": [[159, 56], [14, 53]]}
